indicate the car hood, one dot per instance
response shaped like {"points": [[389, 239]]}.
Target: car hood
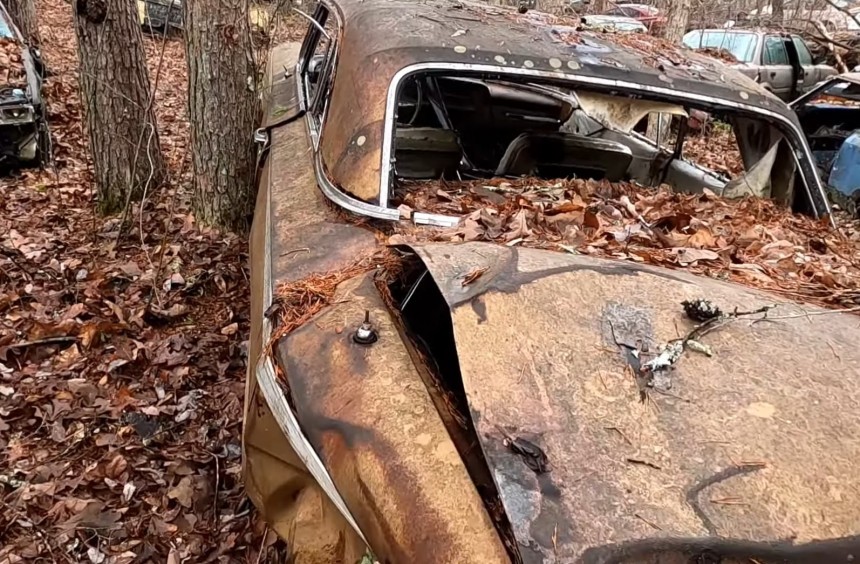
{"points": [[725, 453]]}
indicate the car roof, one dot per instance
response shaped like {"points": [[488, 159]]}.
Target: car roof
{"points": [[381, 38]]}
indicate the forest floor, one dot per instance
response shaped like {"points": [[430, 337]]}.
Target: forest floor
{"points": [[123, 349], [122, 355]]}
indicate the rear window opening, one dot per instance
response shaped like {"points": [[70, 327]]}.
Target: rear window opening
{"points": [[461, 128]]}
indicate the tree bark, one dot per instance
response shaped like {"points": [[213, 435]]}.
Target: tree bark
{"points": [[223, 110], [115, 90], [23, 13], [778, 12], [676, 23]]}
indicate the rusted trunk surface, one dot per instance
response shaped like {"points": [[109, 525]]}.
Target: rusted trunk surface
{"points": [[23, 13], [223, 109], [116, 90]]}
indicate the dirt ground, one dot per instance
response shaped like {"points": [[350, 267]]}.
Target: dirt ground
{"points": [[122, 354]]}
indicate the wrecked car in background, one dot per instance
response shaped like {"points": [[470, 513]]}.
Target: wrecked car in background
{"points": [[613, 23], [830, 116], [782, 63], [472, 391], [159, 16], [23, 131]]}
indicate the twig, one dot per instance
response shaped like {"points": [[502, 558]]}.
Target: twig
{"points": [[215, 496], [45, 341], [262, 544], [811, 313]]}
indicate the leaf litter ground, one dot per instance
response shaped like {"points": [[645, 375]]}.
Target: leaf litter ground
{"points": [[122, 361]]}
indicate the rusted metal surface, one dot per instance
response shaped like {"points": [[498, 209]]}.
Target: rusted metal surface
{"points": [[757, 443], [276, 480], [369, 416], [424, 33]]}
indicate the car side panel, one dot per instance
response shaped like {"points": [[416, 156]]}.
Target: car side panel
{"points": [[276, 480], [367, 411]]}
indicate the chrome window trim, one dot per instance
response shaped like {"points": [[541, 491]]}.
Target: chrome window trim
{"points": [[402, 74], [274, 395]]}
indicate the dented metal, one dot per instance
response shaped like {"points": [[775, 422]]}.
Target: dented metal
{"points": [[526, 439]]}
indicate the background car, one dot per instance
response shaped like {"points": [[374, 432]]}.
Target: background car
{"points": [[830, 116], [650, 16], [24, 135], [614, 23], [160, 15], [782, 63]]}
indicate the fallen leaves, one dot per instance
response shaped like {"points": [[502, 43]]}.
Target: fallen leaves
{"points": [[750, 241], [122, 361]]}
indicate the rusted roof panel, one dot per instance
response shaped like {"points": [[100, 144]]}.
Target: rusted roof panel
{"points": [[757, 443], [381, 37]]}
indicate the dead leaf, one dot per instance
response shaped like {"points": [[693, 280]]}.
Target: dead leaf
{"points": [[687, 255], [518, 226], [183, 492], [474, 275], [702, 239]]}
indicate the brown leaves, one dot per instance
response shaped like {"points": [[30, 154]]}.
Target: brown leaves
{"points": [[117, 434], [751, 241]]}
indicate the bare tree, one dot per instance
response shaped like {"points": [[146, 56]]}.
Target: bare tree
{"points": [[23, 13], [115, 90], [778, 11], [223, 110], [676, 23]]}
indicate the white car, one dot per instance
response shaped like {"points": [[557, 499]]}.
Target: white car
{"points": [[614, 23]]}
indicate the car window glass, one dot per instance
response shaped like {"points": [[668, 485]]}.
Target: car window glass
{"points": [[740, 45], [802, 51], [774, 51], [5, 29]]}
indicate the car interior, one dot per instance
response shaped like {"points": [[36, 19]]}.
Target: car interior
{"points": [[461, 127], [829, 119]]}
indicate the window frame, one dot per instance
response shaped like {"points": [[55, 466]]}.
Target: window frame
{"points": [[765, 52], [802, 49], [316, 102]]}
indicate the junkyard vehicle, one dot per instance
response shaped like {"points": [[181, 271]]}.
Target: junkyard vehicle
{"points": [[830, 116], [649, 16], [23, 131], [781, 62], [614, 23], [159, 16], [441, 402]]}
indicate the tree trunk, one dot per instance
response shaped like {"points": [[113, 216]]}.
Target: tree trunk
{"points": [[115, 91], [223, 110], [23, 14], [676, 24], [778, 11]]}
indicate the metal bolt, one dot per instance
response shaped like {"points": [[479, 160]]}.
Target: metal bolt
{"points": [[365, 334]]}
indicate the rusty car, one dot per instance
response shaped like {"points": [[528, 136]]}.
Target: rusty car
{"points": [[23, 127], [781, 62], [830, 116], [412, 399]]}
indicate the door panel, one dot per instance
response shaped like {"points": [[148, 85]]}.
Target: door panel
{"points": [[776, 69]]}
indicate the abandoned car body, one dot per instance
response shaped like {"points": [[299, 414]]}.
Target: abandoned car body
{"points": [[781, 62], [22, 126], [447, 402], [830, 116]]}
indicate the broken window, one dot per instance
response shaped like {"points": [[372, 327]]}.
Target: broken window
{"points": [[466, 127]]}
